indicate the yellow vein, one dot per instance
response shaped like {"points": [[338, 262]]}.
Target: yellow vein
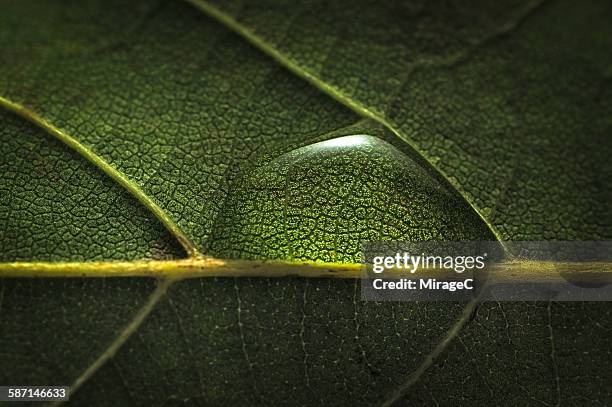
{"points": [[533, 271], [107, 168], [124, 335], [330, 90]]}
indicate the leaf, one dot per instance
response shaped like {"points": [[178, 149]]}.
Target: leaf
{"points": [[220, 138], [511, 102], [187, 135]]}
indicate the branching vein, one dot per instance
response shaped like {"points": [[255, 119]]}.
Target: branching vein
{"points": [[106, 167], [123, 336]]}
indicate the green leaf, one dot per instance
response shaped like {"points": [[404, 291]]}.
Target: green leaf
{"points": [[142, 127], [512, 103]]}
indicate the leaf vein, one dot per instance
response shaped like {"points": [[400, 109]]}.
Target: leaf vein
{"points": [[99, 162], [123, 336]]}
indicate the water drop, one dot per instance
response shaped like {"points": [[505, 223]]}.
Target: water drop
{"points": [[321, 201]]}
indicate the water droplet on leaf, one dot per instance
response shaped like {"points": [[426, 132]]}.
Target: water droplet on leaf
{"points": [[321, 201]]}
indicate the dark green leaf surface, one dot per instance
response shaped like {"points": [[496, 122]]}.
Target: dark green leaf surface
{"points": [[56, 206], [250, 162]]}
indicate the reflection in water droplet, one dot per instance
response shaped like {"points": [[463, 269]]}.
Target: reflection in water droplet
{"points": [[346, 141], [321, 201]]}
